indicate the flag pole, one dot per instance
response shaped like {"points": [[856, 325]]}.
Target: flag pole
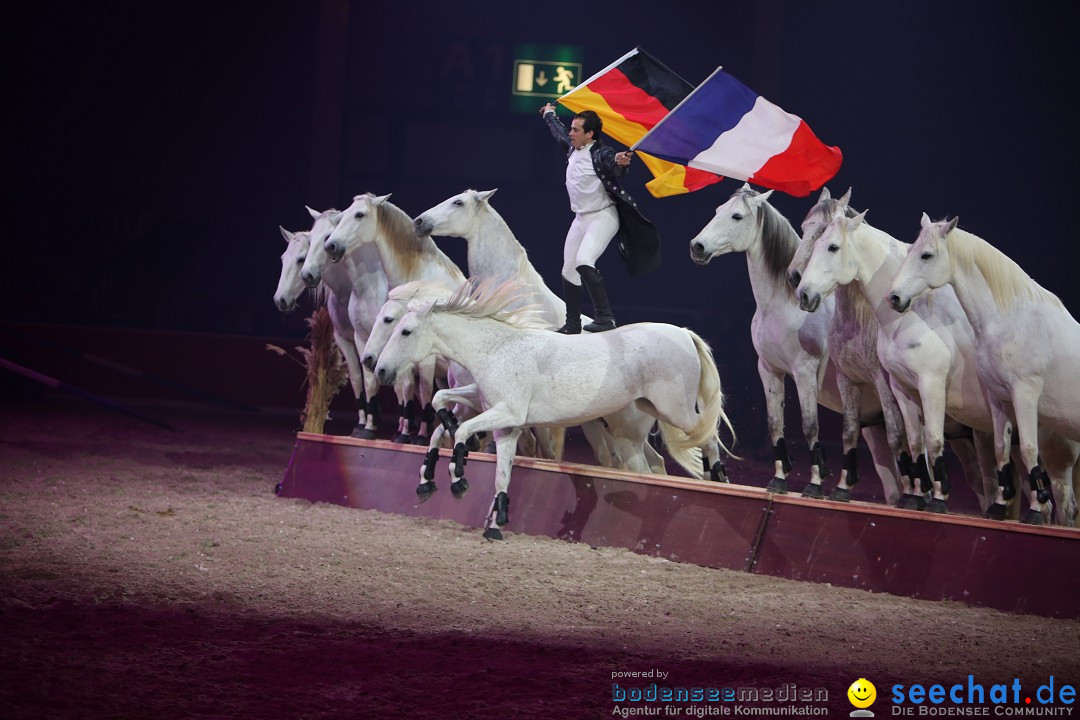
{"points": [[672, 111]]}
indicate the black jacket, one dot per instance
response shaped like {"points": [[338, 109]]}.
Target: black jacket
{"points": [[639, 243]]}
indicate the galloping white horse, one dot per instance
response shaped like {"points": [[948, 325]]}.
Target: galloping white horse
{"points": [[929, 353], [534, 377], [787, 340], [355, 290], [376, 224], [1028, 350], [494, 252]]}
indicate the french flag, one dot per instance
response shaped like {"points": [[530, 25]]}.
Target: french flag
{"points": [[726, 128]]}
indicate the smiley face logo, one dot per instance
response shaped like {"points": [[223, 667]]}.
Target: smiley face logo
{"points": [[862, 693]]}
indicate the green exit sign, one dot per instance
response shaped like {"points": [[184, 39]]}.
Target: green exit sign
{"points": [[542, 73], [540, 78]]}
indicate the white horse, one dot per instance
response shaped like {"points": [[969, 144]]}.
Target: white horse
{"points": [[852, 337], [788, 341], [375, 225], [290, 286], [528, 376], [929, 354], [494, 252], [1028, 351], [355, 290]]}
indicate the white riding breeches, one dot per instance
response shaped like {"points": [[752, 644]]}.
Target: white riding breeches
{"points": [[587, 239]]}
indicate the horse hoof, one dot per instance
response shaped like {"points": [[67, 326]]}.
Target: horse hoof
{"points": [[996, 511], [403, 439], [425, 490], [458, 487], [363, 433], [813, 491], [840, 494], [493, 534], [718, 473], [1032, 517], [421, 440], [938, 506], [910, 502], [777, 485], [277, 489], [473, 444], [490, 448]]}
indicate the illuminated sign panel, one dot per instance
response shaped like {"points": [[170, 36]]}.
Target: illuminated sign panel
{"points": [[542, 73]]}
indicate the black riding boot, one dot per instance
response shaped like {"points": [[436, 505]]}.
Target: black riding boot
{"points": [[603, 319], [572, 297]]}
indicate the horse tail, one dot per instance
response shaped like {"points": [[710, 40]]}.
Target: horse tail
{"points": [[683, 446]]}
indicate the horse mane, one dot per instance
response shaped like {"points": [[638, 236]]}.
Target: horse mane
{"points": [[483, 298], [779, 241], [419, 289], [1007, 281], [396, 227]]}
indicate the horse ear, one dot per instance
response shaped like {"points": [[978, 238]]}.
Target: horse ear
{"points": [[825, 195], [925, 222], [313, 213], [764, 196], [845, 199], [483, 195], [857, 220], [286, 234], [951, 226], [381, 199], [746, 186]]}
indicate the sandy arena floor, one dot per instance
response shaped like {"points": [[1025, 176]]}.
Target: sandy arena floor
{"points": [[153, 574]]}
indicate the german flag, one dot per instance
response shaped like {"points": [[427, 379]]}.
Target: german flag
{"points": [[631, 95]]}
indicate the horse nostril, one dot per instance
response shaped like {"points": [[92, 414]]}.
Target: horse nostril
{"points": [[698, 248], [369, 362], [894, 300], [418, 223], [794, 278]]}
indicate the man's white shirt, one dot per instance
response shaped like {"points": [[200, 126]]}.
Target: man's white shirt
{"points": [[585, 189]]}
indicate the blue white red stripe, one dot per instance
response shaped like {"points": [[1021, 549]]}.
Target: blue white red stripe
{"points": [[726, 128]]}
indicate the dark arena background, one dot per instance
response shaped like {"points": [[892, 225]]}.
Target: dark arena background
{"points": [[149, 570]]}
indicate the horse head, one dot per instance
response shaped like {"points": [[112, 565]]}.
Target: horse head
{"points": [[290, 286], [457, 216], [820, 215], [831, 263], [410, 342], [395, 308], [358, 225], [324, 224], [734, 227], [926, 266]]}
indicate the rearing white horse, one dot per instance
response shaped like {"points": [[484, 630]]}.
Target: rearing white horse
{"points": [[534, 377], [1028, 349], [494, 252]]}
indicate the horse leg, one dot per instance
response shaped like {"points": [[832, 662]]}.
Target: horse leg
{"points": [[505, 442], [912, 497], [806, 384], [1059, 456], [932, 393], [425, 391], [712, 461], [600, 440], [851, 400], [403, 388], [773, 383], [1025, 397], [884, 457], [347, 346]]}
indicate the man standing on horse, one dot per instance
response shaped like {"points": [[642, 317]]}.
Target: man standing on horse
{"points": [[601, 209]]}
